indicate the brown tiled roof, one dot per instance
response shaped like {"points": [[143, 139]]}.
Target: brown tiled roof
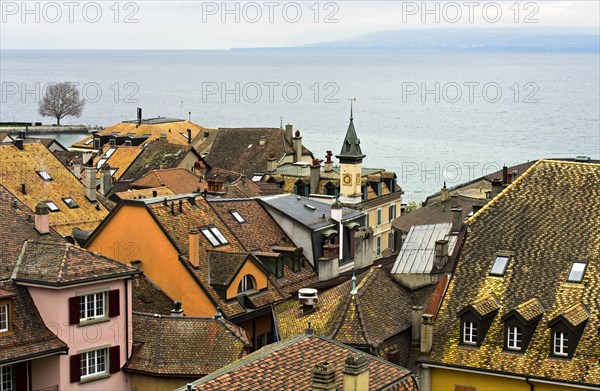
{"points": [[149, 298], [63, 263], [362, 319], [22, 166], [239, 149], [178, 180], [485, 305], [133, 194], [29, 338], [120, 159], [288, 365], [530, 309], [14, 229], [223, 266], [184, 346], [576, 315], [154, 155], [547, 218]]}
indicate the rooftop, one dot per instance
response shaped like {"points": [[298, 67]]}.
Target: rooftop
{"points": [[178, 180], [153, 156]]}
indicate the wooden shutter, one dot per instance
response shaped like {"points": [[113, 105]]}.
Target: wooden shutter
{"points": [[21, 376], [74, 310], [114, 304], [115, 359], [75, 367]]}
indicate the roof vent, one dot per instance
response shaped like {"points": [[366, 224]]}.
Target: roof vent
{"points": [[308, 298]]}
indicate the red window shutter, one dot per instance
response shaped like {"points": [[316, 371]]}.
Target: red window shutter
{"points": [[115, 359], [75, 368], [74, 310], [114, 304], [21, 376]]}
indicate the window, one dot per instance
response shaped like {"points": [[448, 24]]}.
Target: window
{"points": [[293, 261], [275, 266], [93, 363], [92, 306], [378, 216], [469, 333], [561, 344], [219, 235], [379, 245], [514, 338], [247, 284], [263, 340], [4, 321], [128, 143], [210, 237], [113, 142], [97, 143], [44, 175], [6, 378], [499, 266], [392, 212], [391, 241], [238, 217], [52, 206], [577, 271], [70, 202]]}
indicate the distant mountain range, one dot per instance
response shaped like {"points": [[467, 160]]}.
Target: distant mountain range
{"points": [[468, 39]]}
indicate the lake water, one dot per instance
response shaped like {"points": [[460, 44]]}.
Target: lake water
{"points": [[427, 116]]}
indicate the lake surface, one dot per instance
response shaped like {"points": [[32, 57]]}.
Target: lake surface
{"points": [[428, 116]]}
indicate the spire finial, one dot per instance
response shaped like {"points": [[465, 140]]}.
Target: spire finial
{"points": [[353, 291], [280, 122], [351, 100]]}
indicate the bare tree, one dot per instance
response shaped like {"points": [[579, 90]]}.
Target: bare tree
{"points": [[61, 100]]}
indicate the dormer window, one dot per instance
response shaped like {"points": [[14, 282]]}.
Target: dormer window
{"points": [[577, 271], [499, 266], [566, 330], [52, 206], [70, 202], [476, 318], [4, 318], [238, 217], [44, 175], [247, 284], [520, 324]]}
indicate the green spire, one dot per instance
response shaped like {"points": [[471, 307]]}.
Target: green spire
{"points": [[351, 147]]}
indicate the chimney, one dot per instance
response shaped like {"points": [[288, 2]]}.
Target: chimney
{"points": [[162, 165], [189, 132], [297, 143], [363, 247], [415, 324], [176, 311], [457, 219], [139, 116], [308, 298], [136, 264], [77, 170], [90, 183], [510, 177], [19, 143], [289, 130], [441, 253], [194, 253], [262, 142], [271, 162], [163, 137], [105, 180], [315, 175], [328, 162], [323, 377], [41, 218], [505, 175], [444, 193], [180, 206], [454, 201], [154, 193], [426, 333], [356, 373], [23, 188], [496, 187]]}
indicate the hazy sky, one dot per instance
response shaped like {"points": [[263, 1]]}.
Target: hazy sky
{"points": [[222, 25]]}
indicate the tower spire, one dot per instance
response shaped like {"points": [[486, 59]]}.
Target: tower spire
{"points": [[351, 100]]}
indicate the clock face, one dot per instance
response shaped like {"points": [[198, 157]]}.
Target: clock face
{"points": [[347, 179], [358, 179]]}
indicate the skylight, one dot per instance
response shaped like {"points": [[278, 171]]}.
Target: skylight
{"points": [[52, 206], [577, 271], [256, 178], [70, 202], [109, 152], [210, 236], [219, 235], [238, 217], [101, 162], [499, 267], [44, 174]]}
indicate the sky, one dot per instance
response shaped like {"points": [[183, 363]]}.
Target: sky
{"points": [[208, 25]]}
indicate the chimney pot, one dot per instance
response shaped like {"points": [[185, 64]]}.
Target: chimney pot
{"points": [[297, 144], [105, 180], [289, 130], [19, 143], [444, 194], [356, 373], [90, 183], [505, 175], [42, 224], [416, 316], [441, 253], [496, 187], [23, 188], [426, 333], [177, 311], [457, 219], [189, 133], [323, 377], [308, 299]]}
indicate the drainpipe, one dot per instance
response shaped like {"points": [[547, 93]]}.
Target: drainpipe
{"points": [[527, 380], [126, 321]]}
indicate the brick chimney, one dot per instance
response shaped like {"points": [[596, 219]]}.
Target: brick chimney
{"points": [[90, 183], [426, 333], [444, 194], [328, 162], [415, 324], [289, 131], [42, 224], [323, 377], [315, 175], [441, 253], [271, 162], [457, 219], [329, 263], [194, 253], [105, 180], [356, 373], [297, 143]]}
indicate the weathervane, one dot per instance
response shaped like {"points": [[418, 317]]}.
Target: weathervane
{"points": [[351, 100]]}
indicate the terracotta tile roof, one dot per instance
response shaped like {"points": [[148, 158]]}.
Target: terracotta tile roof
{"points": [[149, 298], [223, 266], [548, 218], [133, 194], [288, 365], [362, 319], [22, 166], [14, 229], [178, 180], [120, 159], [63, 264], [30, 338], [154, 155], [184, 346], [240, 150], [172, 130]]}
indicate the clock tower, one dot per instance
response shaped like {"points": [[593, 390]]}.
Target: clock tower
{"points": [[350, 167]]}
